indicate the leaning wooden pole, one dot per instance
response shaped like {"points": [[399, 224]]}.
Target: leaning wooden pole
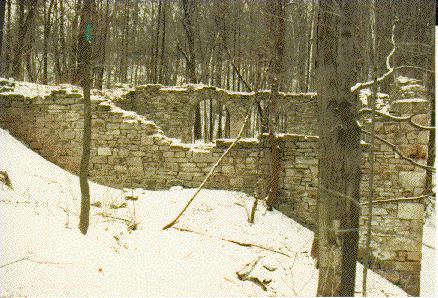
{"points": [[210, 173]]}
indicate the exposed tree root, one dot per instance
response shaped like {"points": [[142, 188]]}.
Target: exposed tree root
{"points": [[244, 274]]}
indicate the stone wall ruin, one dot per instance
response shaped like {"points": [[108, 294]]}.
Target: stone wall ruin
{"points": [[130, 150]]}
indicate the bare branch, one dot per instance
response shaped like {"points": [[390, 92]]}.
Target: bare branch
{"points": [[360, 86], [398, 199]]}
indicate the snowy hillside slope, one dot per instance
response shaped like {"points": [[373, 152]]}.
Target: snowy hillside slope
{"points": [[43, 253]]}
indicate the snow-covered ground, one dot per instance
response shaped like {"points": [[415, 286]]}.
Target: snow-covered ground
{"points": [[43, 253]]}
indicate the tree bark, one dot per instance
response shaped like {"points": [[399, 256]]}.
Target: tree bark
{"points": [[339, 145]]}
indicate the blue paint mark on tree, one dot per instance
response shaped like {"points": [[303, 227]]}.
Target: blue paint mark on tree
{"points": [[87, 34]]}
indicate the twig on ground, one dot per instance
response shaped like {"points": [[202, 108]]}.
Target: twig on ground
{"points": [[246, 244], [114, 217], [27, 258]]}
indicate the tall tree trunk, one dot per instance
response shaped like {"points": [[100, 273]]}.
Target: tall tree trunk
{"points": [[75, 39], [310, 59], [277, 30], [432, 141], [47, 25], [86, 142], [189, 12], [24, 26], [227, 124], [123, 75], [64, 56], [211, 123], [2, 23], [339, 145], [219, 126], [157, 40], [8, 54], [205, 123], [197, 123], [373, 97], [101, 55], [163, 79]]}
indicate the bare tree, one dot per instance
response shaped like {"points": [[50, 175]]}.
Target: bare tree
{"points": [[25, 23], [339, 145], [101, 50], [47, 27], [189, 12], [85, 67], [277, 26]]}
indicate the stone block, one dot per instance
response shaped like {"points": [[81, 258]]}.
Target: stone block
{"points": [[228, 169], [403, 266], [397, 243], [104, 151], [306, 160], [414, 256], [410, 180], [120, 168], [136, 171], [200, 156], [409, 210], [168, 154], [237, 182], [133, 161], [410, 106], [147, 140]]}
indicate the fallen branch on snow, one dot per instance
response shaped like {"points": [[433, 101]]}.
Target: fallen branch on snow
{"points": [[246, 244]]}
